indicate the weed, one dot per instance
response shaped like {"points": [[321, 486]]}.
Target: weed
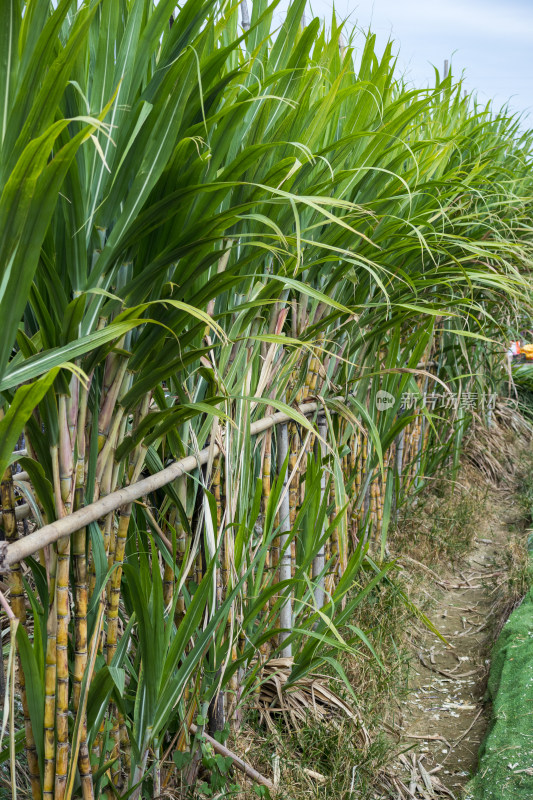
{"points": [[444, 522]]}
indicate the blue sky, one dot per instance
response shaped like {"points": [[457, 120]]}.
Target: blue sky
{"points": [[490, 40]]}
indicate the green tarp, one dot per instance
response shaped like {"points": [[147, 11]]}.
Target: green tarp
{"points": [[506, 759]]}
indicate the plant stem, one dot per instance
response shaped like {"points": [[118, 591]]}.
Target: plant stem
{"points": [[16, 589]]}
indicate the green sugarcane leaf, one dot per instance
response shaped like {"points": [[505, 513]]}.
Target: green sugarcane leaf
{"points": [[20, 744], [102, 685], [118, 675], [41, 484], [364, 638], [61, 356], [34, 689], [100, 565], [10, 16], [72, 318], [26, 398], [39, 630]]}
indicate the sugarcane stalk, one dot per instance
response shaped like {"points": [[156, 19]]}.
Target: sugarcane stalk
{"points": [[87, 788], [16, 590], [112, 629], [113, 596], [181, 543], [62, 604], [198, 569], [295, 442], [319, 559], [108, 405], [169, 569], [109, 429], [245, 16], [222, 575], [356, 467], [114, 479], [332, 545], [364, 473], [113, 600], [266, 477], [125, 744], [398, 461], [421, 439], [285, 617], [50, 700]]}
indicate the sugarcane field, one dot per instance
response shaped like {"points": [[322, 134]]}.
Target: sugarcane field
{"points": [[266, 400]]}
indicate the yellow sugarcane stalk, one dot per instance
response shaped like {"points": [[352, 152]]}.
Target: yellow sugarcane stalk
{"points": [[198, 569], [356, 461], [113, 595], [168, 584], [181, 543], [63, 504], [125, 744], [50, 704], [87, 790], [364, 472], [169, 576], [62, 605], [50, 699], [113, 599], [80, 610], [16, 589], [181, 546], [80, 655]]}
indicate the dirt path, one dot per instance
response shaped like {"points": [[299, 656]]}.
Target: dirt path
{"points": [[444, 716]]}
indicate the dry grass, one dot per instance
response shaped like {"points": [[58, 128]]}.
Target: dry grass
{"points": [[444, 522], [499, 451]]}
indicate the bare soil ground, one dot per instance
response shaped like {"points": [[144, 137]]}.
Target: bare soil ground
{"points": [[444, 717]]}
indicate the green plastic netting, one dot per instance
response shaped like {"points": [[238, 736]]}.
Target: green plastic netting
{"points": [[506, 759]]}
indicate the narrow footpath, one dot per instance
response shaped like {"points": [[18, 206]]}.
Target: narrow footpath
{"points": [[444, 719]]}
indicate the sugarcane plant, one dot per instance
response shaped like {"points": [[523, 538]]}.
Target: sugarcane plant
{"points": [[211, 224]]}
